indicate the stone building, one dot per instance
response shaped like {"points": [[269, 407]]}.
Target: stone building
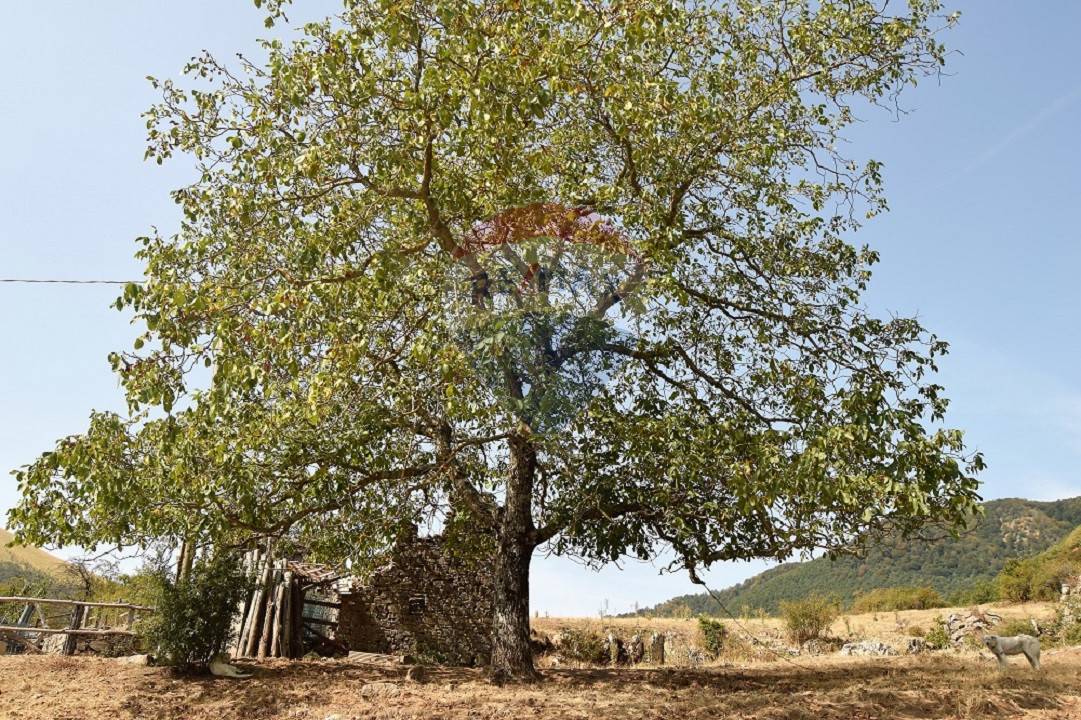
{"points": [[422, 602]]}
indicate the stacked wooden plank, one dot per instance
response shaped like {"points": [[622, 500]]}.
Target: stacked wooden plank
{"points": [[268, 622]]}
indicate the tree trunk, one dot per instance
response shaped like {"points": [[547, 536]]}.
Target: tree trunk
{"points": [[512, 657], [185, 561]]}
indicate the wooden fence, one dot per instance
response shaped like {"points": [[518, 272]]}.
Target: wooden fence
{"points": [[86, 619]]}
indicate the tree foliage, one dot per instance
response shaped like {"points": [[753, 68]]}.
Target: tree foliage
{"points": [[548, 272]]}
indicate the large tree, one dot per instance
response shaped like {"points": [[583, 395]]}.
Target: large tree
{"points": [[563, 273]]}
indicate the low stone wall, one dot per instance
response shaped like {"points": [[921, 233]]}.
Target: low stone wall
{"points": [[960, 626]]}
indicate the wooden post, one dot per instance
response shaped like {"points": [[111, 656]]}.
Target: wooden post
{"points": [[240, 644], [237, 628], [182, 560], [259, 605], [286, 623], [26, 614], [24, 619], [279, 616], [268, 616], [252, 613], [76, 622], [296, 609], [656, 648]]}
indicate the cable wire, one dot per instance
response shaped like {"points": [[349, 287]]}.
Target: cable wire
{"points": [[751, 636], [39, 281]]}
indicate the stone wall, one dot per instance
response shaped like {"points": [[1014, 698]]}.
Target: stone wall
{"points": [[424, 603]]}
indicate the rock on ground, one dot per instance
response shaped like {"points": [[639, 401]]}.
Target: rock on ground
{"points": [[867, 647]]}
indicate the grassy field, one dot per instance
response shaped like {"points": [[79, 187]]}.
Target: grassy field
{"points": [[893, 628], [828, 688]]}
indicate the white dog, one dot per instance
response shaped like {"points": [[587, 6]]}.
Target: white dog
{"points": [[220, 667], [1015, 645]]}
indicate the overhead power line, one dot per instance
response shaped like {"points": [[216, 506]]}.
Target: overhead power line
{"points": [[38, 281]]}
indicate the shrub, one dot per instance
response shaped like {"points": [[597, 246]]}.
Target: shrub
{"points": [[714, 635], [1049, 577], [937, 637], [583, 645], [915, 631], [809, 618], [1015, 580], [682, 611], [194, 619], [1034, 578], [983, 591], [1015, 626], [1065, 628], [898, 598], [1071, 634]]}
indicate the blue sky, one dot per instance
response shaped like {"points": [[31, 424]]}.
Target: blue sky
{"points": [[982, 241]]}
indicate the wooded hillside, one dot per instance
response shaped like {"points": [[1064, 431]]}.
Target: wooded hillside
{"points": [[1009, 528]]}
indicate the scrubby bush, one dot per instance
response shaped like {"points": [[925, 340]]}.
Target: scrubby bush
{"points": [[194, 618], [809, 618], [1071, 635], [714, 635], [1015, 580], [938, 637], [1035, 578], [984, 591], [1051, 576], [1065, 627], [1015, 626], [915, 631], [682, 611], [898, 598], [583, 645]]}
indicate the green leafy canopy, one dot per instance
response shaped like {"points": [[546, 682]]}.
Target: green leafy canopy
{"points": [[441, 256]]}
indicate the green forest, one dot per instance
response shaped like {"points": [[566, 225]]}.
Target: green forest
{"points": [[961, 569]]}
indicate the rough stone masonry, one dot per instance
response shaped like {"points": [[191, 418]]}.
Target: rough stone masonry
{"points": [[424, 602]]}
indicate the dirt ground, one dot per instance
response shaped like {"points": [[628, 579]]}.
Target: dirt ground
{"points": [[827, 688]]}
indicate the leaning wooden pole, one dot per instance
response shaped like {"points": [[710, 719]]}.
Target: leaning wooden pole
{"points": [[296, 622], [259, 605], [241, 644], [268, 616], [287, 615], [71, 641], [237, 627], [184, 562], [279, 617]]}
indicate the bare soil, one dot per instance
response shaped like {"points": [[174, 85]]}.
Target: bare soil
{"points": [[824, 688]]}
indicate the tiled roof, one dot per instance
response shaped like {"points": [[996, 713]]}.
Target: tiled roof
{"points": [[313, 573]]}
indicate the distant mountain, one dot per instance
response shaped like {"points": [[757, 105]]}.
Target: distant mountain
{"points": [[32, 556], [1009, 528]]}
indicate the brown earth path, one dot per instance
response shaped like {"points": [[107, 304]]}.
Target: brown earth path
{"points": [[84, 688]]}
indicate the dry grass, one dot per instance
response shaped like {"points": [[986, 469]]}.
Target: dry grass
{"points": [[939, 687], [889, 627], [32, 556]]}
